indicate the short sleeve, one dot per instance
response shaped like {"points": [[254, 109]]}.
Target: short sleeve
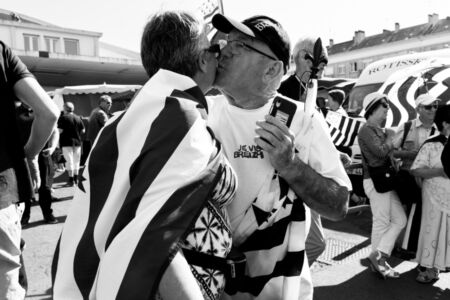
{"points": [[399, 136], [423, 157], [324, 158], [15, 69]]}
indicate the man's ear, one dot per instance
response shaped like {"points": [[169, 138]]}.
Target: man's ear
{"points": [[273, 70], [203, 61]]}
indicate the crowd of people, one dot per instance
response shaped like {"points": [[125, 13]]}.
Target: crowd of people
{"points": [[190, 196]]}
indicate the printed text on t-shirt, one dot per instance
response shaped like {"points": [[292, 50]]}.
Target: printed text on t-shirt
{"points": [[249, 151]]}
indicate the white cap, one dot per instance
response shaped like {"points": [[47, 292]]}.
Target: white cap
{"points": [[426, 99], [371, 99]]}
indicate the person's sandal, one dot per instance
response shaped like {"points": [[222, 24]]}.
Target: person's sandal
{"points": [[428, 276], [389, 272], [373, 259]]}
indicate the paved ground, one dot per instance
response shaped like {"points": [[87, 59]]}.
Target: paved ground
{"points": [[337, 275]]}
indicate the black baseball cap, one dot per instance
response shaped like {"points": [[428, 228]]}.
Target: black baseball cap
{"points": [[263, 28]]}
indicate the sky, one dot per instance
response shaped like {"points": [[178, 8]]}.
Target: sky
{"points": [[121, 22]]}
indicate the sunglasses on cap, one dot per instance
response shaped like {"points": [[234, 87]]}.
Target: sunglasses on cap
{"points": [[431, 106]]}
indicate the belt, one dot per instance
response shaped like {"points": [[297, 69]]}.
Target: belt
{"points": [[233, 266]]}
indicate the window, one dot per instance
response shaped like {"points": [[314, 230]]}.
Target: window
{"points": [[341, 69], [51, 44], [71, 46], [31, 42], [354, 66]]}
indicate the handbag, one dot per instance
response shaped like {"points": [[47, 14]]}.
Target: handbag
{"points": [[383, 177]]}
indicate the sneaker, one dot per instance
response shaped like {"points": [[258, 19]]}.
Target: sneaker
{"points": [[50, 219]]}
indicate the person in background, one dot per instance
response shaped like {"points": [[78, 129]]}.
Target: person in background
{"points": [[445, 158], [46, 172], [295, 87], [98, 118], [269, 216], [335, 100], [388, 216], [25, 119], [156, 184], [433, 251], [16, 82], [71, 128], [407, 141]]}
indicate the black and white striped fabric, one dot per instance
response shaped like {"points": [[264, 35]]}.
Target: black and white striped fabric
{"points": [[403, 90], [343, 129], [343, 84], [150, 172]]}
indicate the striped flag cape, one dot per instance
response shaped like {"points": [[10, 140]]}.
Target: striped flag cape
{"points": [[147, 178], [343, 129]]}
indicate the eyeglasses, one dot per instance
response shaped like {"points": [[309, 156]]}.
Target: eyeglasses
{"points": [[237, 47], [385, 104], [429, 107], [215, 49]]}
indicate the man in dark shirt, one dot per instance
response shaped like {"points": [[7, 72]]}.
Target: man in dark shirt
{"points": [[15, 183], [71, 128], [99, 116], [295, 85]]}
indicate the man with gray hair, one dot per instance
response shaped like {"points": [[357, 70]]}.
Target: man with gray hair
{"points": [[295, 87], [281, 172], [156, 179]]}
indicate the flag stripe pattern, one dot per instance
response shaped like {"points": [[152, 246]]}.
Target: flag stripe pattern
{"points": [[278, 241], [343, 129], [402, 92], [344, 84], [105, 154], [150, 172]]}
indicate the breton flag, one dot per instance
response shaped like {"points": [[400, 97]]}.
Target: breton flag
{"points": [[343, 129], [147, 178], [208, 8], [403, 87]]}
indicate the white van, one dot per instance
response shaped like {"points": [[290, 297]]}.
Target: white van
{"points": [[402, 78]]}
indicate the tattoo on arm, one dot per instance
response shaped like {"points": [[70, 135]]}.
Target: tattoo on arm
{"points": [[321, 194]]}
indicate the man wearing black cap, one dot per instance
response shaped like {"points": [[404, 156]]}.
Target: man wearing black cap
{"points": [[279, 169]]}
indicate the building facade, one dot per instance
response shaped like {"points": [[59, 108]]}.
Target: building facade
{"points": [[349, 58], [60, 56]]}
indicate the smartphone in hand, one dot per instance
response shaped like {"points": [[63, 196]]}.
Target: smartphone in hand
{"points": [[283, 110]]}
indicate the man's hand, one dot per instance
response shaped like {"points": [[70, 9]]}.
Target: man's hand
{"points": [[277, 140], [322, 194]]}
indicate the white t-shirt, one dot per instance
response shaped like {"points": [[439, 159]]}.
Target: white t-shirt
{"points": [[235, 128], [258, 190]]}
